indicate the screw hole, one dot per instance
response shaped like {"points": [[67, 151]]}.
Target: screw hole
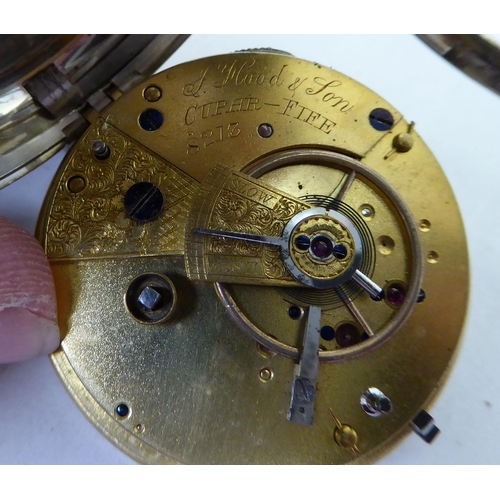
{"points": [[385, 245], [432, 257], [424, 225]]}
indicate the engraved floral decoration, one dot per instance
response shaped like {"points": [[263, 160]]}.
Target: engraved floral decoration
{"points": [[233, 212], [91, 221], [273, 264]]}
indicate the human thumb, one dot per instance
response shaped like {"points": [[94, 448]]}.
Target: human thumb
{"points": [[28, 317]]}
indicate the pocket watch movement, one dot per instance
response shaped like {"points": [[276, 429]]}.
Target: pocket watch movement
{"points": [[253, 256]]}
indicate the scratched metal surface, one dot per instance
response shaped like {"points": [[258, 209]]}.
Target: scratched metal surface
{"points": [[458, 119]]}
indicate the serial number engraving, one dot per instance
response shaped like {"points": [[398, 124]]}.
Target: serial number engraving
{"points": [[212, 136]]}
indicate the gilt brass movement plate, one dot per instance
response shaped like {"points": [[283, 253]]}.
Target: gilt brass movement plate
{"points": [[253, 256]]}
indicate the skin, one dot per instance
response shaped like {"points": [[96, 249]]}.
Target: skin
{"points": [[28, 316]]}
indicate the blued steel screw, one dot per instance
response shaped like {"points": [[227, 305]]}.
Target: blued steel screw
{"points": [[295, 312], [151, 120], [340, 252], [302, 242], [122, 410], [143, 202], [381, 119]]}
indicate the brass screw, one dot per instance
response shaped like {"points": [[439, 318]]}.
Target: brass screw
{"points": [[345, 436], [152, 93]]}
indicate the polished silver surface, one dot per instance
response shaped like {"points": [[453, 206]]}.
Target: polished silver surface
{"points": [[375, 403], [149, 298], [100, 149], [256, 238], [51, 84], [304, 385], [376, 292]]}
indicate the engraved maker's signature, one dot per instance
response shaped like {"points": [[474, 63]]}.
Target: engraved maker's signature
{"points": [[245, 74], [239, 73]]}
